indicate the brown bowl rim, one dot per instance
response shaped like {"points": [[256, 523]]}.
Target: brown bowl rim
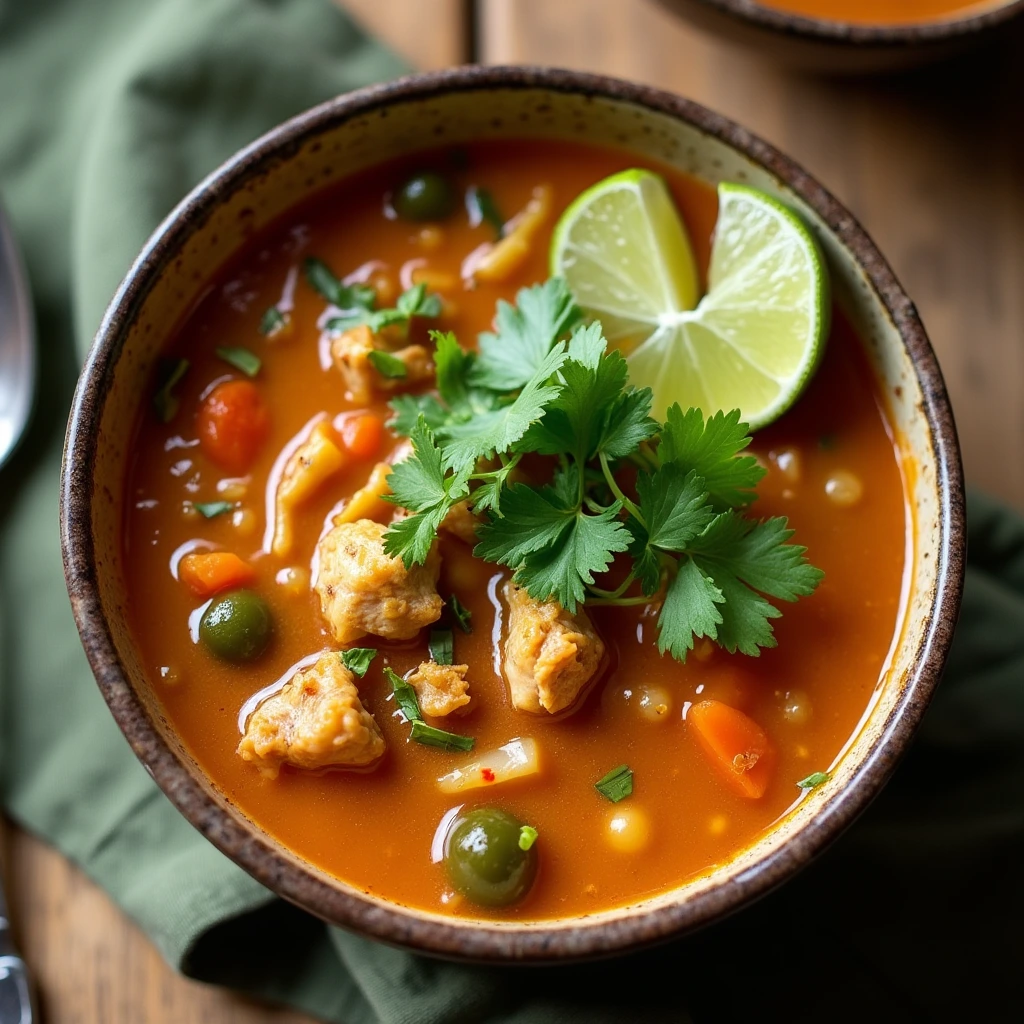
{"points": [[299, 884], [847, 33]]}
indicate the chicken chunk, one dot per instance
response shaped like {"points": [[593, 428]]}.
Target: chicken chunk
{"points": [[316, 721], [314, 462], [461, 522], [441, 689], [362, 590], [351, 352], [550, 655]]}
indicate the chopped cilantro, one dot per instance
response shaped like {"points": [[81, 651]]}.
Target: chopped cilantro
{"points": [[344, 296], [442, 646], [209, 509], [431, 737], [545, 385], [165, 401], [527, 837], [405, 696], [273, 322], [617, 784], [357, 659], [814, 780], [387, 365], [241, 359], [460, 613], [413, 302], [482, 209]]}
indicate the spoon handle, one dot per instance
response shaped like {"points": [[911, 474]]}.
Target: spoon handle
{"points": [[15, 995]]}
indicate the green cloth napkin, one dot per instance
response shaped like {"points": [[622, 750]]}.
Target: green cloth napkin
{"points": [[110, 110]]}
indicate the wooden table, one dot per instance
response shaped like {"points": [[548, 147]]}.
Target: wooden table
{"points": [[931, 164]]}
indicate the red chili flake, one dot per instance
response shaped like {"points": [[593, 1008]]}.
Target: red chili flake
{"points": [[487, 774]]}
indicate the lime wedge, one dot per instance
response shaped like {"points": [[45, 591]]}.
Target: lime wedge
{"points": [[625, 255], [756, 337]]}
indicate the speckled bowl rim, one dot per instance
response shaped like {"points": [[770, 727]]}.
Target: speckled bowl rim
{"points": [[245, 845], [845, 33]]}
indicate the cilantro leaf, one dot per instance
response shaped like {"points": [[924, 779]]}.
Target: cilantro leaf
{"points": [[530, 519], [500, 428], [460, 613], [408, 409], [413, 302], [628, 424], [481, 208], [693, 607], [357, 659], [711, 449], [758, 553], [646, 561], [387, 365], [421, 484], [674, 506], [526, 333], [344, 296], [584, 549]]}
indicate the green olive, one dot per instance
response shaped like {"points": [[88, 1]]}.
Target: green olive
{"points": [[236, 626], [426, 196], [485, 861]]}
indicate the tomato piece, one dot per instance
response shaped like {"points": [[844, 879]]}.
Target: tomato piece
{"points": [[737, 747], [233, 424], [363, 435], [206, 573]]}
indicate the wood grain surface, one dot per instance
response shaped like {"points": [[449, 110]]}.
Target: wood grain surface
{"points": [[931, 163]]}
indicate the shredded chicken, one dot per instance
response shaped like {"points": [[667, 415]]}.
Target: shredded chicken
{"points": [[441, 689], [461, 522], [351, 350], [316, 721], [362, 590], [311, 465], [550, 655]]}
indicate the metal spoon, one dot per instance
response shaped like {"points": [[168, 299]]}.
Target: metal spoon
{"points": [[17, 345], [17, 387]]}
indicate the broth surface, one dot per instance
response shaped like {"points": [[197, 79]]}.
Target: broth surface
{"points": [[375, 829], [883, 12]]}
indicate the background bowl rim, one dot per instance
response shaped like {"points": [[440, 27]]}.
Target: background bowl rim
{"points": [[303, 885], [848, 33]]}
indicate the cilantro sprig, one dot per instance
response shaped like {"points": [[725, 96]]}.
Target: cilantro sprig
{"points": [[664, 501]]}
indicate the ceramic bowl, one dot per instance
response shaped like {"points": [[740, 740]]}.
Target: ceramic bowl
{"points": [[324, 146], [836, 47]]}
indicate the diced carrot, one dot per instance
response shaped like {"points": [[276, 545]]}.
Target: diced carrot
{"points": [[736, 746], [233, 424], [208, 572], [363, 435]]}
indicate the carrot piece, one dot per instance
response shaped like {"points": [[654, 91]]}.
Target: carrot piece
{"points": [[233, 424], [363, 435], [208, 572], [735, 745]]}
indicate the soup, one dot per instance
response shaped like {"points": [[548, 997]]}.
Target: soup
{"points": [[613, 788], [883, 12]]}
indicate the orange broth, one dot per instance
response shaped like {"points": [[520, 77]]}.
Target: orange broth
{"points": [[375, 829], [883, 12]]}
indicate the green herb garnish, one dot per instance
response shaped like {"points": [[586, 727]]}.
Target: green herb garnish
{"points": [[273, 322], [387, 365], [241, 359], [344, 296], [617, 784], [461, 614], [442, 646], [431, 737], [165, 401], [546, 385], [413, 302], [357, 659], [814, 780], [482, 209], [405, 696], [527, 837], [210, 509]]}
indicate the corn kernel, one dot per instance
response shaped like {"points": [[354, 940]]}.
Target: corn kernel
{"points": [[244, 521], [293, 579], [629, 829], [788, 463], [233, 488], [844, 488], [718, 824], [431, 237]]}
